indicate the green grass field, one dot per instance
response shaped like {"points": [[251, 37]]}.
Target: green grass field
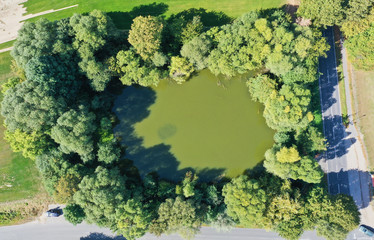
{"points": [[119, 8], [19, 177], [7, 44]]}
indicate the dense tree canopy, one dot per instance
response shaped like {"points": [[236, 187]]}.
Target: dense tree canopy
{"points": [[177, 215], [101, 194], [58, 112]]}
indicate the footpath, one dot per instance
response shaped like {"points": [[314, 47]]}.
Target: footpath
{"points": [[356, 155]]}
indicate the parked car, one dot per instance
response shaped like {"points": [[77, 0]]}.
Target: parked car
{"points": [[53, 212], [366, 231]]}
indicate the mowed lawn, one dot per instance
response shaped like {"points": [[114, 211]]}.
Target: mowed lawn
{"points": [[19, 177], [365, 100], [232, 8]]}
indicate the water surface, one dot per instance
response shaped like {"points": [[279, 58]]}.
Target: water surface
{"points": [[207, 124]]}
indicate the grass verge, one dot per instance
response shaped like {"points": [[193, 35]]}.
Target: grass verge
{"points": [[364, 84], [19, 177], [338, 54], [22, 211], [7, 44]]}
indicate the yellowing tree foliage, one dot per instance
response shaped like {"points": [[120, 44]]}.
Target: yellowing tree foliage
{"points": [[288, 155], [145, 36]]}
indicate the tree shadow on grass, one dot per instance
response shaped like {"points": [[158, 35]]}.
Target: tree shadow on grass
{"points": [[123, 20], [131, 107], [209, 19]]}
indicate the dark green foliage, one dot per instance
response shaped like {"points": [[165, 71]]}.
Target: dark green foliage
{"points": [[91, 34], [134, 219], [74, 214], [74, 132], [57, 77], [246, 201], [34, 40], [29, 107], [311, 140], [55, 164], [101, 194]]}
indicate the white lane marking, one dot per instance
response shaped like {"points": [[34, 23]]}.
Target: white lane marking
{"points": [[328, 78]]}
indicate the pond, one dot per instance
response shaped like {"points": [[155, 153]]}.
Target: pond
{"points": [[208, 124]]}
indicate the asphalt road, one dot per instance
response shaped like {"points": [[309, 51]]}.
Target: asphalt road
{"points": [[334, 161], [344, 161], [59, 229]]}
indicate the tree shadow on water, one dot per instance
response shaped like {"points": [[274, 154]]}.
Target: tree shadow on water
{"points": [[131, 107]]}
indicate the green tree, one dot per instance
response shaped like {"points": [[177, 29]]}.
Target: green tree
{"points": [[31, 145], [74, 214], [34, 40], [53, 165], [311, 140], [159, 59], [91, 33], [28, 107], [188, 184], [145, 36], [288, 155], [261, 87], [322, 12], [177, 215], [101, 194], [192, 29], [284, 214], [306, 169], [361, 49], [351, 28], [180, 69], [246, 201], [134, 219], [197, 51], [66, 187], [11, 83], [74, 132], [129, 66], [288, 109], [333, 216]]}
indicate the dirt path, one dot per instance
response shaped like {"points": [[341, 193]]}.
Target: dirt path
{"points": [[12, 17]]}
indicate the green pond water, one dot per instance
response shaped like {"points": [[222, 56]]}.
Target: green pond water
{"points": [[207, 124]]}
